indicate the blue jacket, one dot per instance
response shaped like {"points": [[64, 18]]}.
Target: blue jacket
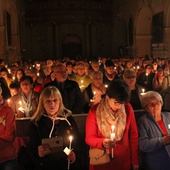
{"points": [[153, 153]]}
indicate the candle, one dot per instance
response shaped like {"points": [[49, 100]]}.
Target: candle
{"points": [[146, 76], [38, 74], [106, 85], [168, 126], [70, 139], [13, 78], [81, 81], [112, 136], [8, 101], [9, 70], [143, 92], [92, 100], [20, 108]]}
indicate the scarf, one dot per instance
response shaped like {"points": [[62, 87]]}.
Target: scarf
{"points": [[106, 117], [27, 103]]}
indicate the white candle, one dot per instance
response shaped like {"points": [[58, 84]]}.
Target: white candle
{"points": [[168, 126], [106, 85], [38, 74], [81, 81], [70, 139], [13, 78], [112, 136], [143, 92]]}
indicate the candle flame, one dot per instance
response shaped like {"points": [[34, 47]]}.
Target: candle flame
{"points": [[70, 138]]}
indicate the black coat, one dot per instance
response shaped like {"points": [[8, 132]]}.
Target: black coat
{"points": [[41, 129], [73, 98]]}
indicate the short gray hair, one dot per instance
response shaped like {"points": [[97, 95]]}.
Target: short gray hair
{"points": [[150, 95]]}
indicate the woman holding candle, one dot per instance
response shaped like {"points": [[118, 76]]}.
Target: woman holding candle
{"points": [[113, 109], [95, 91], [145, 79], [153, 133], [50, 120]]}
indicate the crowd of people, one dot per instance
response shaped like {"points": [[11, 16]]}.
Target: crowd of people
{"points": [[109, 90]]}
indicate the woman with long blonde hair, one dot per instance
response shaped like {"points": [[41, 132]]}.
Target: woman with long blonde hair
{"points": [[52, 120]]}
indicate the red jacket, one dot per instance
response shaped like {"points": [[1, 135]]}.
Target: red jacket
{"points": [[125, 151], [8, 144]]}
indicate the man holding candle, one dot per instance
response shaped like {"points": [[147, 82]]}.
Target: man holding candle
{"points": [[114, 110], [145, 79]]}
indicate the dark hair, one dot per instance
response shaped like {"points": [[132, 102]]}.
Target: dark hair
{"points": [[118, 90], [29, 78], [69, 63], [14, 85], [109, 63]]}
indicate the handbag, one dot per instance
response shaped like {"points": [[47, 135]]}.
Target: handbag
{"points": [[98, 156]]}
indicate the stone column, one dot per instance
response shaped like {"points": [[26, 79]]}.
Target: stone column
{"points": [[2, 40]]}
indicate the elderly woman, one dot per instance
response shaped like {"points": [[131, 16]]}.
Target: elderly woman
{"points": [[52, 120], [153, 133], [114, 111], [95, 91]]}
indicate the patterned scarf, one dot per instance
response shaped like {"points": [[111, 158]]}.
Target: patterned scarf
{"points": [[106, 117]]}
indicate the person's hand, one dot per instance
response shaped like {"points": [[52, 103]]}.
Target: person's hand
{"points": [[135, 167], [20, 114], [43, 150], [72, 157], [108, 143], [166, 139], [96, 98]]}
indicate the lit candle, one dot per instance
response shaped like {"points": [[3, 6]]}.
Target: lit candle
{"points": [[146, 76], [168, 126], [92, 100], [138, 67], [13, 78], [9, 70], [20, 108], [112, 136], [38, 74], [8, 101], [70, 139], [106, 85], [143, 92], [82, 85]]}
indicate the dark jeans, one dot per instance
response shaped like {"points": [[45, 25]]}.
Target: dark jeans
{"points": [[9, 165]]}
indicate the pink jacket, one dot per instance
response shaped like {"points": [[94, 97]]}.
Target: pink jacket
{"points": [[8, 144]]}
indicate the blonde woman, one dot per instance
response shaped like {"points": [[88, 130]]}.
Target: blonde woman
{"points": [[51, 120]]}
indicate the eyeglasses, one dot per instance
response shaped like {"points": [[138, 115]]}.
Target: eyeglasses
{"points": [[130, 77], [60, 72], [25, 84], [48, 102], [154, 104], [116, 103]]}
